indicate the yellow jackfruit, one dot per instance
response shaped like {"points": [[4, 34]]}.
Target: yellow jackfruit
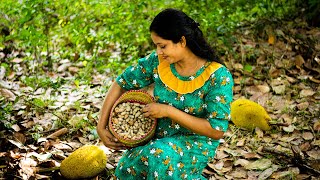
{"points": [[85, 162], [248, 114]]}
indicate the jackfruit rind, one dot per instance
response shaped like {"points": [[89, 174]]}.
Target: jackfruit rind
{"points": [[248, 114], [85, 162]]}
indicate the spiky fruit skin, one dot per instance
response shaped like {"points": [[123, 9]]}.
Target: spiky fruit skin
{"points": [[248, 114], [85, 162]]}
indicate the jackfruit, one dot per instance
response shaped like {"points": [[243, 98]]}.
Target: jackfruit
{"points": [[248, 114], [85, 162]]}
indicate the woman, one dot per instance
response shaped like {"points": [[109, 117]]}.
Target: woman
{"points": [[193, 91]]}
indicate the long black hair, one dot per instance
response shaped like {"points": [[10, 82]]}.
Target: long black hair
{"points": [[172, 24]]}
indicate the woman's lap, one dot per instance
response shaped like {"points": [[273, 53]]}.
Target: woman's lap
{"points": [[178, 157]]}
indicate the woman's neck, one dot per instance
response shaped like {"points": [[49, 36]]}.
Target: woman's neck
{"points": [[189, 65]]}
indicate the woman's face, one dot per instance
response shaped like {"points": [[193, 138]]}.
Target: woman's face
{"points": [[167, 50]]}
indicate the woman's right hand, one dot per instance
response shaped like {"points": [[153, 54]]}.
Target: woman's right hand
{"points": [[109, 140], [114, 92]]}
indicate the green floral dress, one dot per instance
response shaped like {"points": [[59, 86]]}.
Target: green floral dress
{"points": [[175, 152]]}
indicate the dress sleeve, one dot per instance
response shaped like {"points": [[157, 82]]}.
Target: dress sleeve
{"points": [[140, 75], [219, 98]]}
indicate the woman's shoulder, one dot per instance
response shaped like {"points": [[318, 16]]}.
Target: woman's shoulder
{"points": [[151, 58], [221, 71], [222, 77]]}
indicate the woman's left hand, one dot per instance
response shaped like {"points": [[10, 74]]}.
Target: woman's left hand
{"points": [[155, 110]]}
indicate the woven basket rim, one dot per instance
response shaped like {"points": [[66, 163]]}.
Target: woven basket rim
{"points": [[148, 135]]}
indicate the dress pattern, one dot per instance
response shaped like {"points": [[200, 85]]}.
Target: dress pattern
{"points": [[175, 152]]}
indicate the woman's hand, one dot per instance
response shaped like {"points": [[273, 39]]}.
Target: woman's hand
{"points": [[109, 140], [156, 110], [106, 137], [195, 124]]}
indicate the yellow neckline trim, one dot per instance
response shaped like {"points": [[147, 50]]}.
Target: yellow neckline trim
{"points": [[184, 87]]}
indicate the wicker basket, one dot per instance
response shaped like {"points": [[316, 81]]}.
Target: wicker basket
{"points": [[135, 96]]}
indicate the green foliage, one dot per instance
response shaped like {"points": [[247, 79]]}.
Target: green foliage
{"points": [[248, 68], [42, 82], [5, 111], [114, 34]]}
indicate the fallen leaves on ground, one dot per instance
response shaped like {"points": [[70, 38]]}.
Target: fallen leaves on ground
{"points": [[280, 71]]}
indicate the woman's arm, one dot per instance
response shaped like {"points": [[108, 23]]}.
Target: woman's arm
{"points": [[198, 125], [114, 92]]}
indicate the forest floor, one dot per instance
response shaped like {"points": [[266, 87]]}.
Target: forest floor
{"points": [[276, 64]]}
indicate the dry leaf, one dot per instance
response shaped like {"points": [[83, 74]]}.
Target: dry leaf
{"points": [[289, 129], [8, 94], [314, 80], [303, 176], [303, 106], [218, 165], [83, 140], [264, 88], [299, 61], [315, 154], [40, 157], [287, 119], [232, 152], [76, 119], [242, 162], [260, 164], [283, 149], [316, 126], [262, 60], [27, 168], [251, 156], [266, 174], [306, 92], [259, 132], [19, 137], [279, 89], [18, 144], [253, 175], [62, 146], [63, 67], [238, 173], [305, 146], [307, 135], [316, 143], [206, 171], [2, 72], [291, 79], [271, 39], [73, 69], [241, 142], [267, 139], [17, 60], [281, 175], [294, 170], [221, 155], [287, 138], [16, 127], [274, 72], [238, 66]]}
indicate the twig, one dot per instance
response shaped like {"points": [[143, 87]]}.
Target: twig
{"points": [[274, 151], [58, 133], [296, 159], [238, 129], [42, 170], [279, 124]]}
